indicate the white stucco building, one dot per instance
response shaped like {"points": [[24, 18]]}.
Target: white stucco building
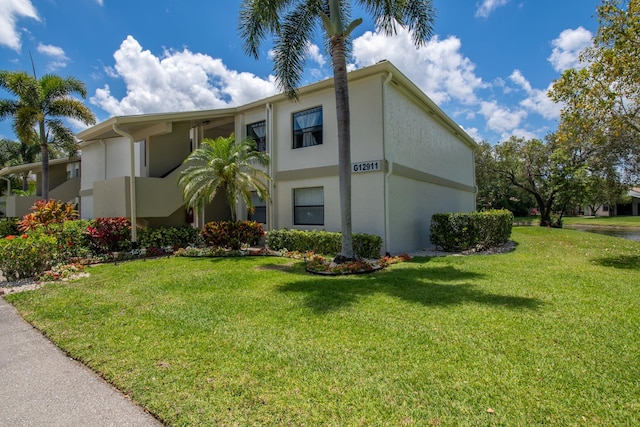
{"points": [[410, 160]]}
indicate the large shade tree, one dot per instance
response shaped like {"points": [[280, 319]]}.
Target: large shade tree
{"points": [[225, 166], [602, 97], [293, 23], [39, 109]]}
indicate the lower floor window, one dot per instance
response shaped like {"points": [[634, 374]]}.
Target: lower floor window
{"points": [[308, 206], [260, 209]]}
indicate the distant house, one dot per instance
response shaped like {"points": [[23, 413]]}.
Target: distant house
{"points": [[410, 160], [631, 208], [64, 184]]}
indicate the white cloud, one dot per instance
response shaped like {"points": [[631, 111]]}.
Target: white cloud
{"points": [[488, 6], [56, 53], [313, 53], [501, 119], [100, 2], [10, 11], [536, 100], [177, 81], [567, 48], [438, 68]]}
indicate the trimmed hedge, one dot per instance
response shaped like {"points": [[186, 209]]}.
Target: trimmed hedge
{"points": [[323, 242], [175, 237], [9, 227], [474, 230], [232, 234]]}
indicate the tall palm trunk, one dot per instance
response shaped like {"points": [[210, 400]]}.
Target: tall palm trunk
{"points": [[341, 88], [44, 153]]}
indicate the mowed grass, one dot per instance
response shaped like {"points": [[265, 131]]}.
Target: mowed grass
{"points": [[604, 221], [545, 335], [600, 221]]}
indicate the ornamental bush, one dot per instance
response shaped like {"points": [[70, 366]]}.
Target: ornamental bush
{"points": [[323, 242], [27, 255], [47, 215], [232, 234], [176, 237], [8, 227], [110, 235], [74, 240], [475, 230]]}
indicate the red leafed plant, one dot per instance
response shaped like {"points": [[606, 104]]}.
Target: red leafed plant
{"points": [[47, 214], [110, 234]]}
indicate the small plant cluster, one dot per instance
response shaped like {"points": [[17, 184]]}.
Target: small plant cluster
{"points": [[318, 264], [62, 272], [471, 231], [232, 234], [323, 242]]}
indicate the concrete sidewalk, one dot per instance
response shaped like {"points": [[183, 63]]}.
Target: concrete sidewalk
{"points": [[41, 386]]}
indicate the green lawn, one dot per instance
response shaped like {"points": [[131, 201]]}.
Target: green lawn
{"points": [[601, 221], [545, 335], [613, 221]]}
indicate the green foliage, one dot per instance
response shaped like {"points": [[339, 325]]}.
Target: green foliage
{"points": [[474, 230], [227, 166], [160, 237], [232, 234], [74, 239], [323, 242], [27, 255], [47, 215], [110, 235], [8, 226]]}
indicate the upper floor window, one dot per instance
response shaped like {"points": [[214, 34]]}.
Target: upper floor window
{"points": [[307, 128], [258, 132]]}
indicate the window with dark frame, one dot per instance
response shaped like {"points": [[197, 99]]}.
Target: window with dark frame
{"points": [[307, 128], [308, 206], [260, 209], [258, 132]]}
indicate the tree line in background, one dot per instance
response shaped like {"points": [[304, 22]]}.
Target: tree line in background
{"points": [[593, 157]]}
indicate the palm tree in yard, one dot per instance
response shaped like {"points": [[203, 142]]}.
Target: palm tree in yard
{"points": [[38, 110], [226, 166], [292, 23]]}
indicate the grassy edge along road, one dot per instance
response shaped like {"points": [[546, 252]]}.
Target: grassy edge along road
{"points": [[547, 334], [600, 221]]}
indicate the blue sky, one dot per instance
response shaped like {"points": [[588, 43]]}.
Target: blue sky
{"points": [[489, 64]]}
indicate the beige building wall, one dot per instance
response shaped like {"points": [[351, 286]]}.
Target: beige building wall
{"points": [[166, 152]]}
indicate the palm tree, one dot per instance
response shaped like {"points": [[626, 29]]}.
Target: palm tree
{"points": [[42, 104], [292, 24], [226, 166]]}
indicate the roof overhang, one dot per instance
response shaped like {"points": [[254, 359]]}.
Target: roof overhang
{"points": [[37, 166], [138, 123]]}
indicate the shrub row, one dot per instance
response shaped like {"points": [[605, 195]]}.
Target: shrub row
{"points": [[232, 234], [475, 230], [323, 242], [174, 237]]}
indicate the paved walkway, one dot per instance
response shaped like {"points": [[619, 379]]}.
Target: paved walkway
{"points": [[41, 386]]}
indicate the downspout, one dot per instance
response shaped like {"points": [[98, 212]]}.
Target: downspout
{"points": [[271, 225], [387, 216], [132, 182]]}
